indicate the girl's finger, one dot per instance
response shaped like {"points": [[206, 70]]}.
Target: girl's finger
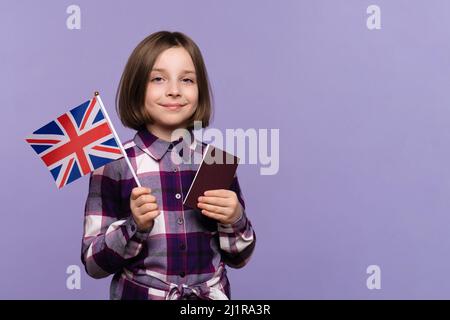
{"points": [[212, 208], [138, 191], [151, 214], [212, 215], [147, 207], [222, 193], [148, 198], [217, 201]]}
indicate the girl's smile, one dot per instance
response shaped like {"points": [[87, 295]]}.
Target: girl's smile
{"points": [[173, 106]]}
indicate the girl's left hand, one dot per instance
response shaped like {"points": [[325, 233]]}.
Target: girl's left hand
{"points": [[221, 205]]}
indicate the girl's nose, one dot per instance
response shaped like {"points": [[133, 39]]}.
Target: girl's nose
{"points": [[173, 89]]}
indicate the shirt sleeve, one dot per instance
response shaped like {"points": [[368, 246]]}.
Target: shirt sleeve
{"points": [[110, 235], [237, 240]]}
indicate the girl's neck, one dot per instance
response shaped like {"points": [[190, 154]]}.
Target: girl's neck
{"points": [[164, 133]]}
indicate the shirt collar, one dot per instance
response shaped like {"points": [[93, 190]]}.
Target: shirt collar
{"points": [[157, 147]]}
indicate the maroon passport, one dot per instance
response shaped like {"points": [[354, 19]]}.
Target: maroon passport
{"points": [[216, 171]]}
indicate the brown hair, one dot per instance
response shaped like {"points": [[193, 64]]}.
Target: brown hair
{"points": [[130, 96]]}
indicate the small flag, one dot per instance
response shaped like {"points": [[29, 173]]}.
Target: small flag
{"points": [[77, 142]]}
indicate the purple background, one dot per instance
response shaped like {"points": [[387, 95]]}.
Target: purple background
{"points": [[364, 119]]}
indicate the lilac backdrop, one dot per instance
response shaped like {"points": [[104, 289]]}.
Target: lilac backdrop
{"points": [[364, 119]]}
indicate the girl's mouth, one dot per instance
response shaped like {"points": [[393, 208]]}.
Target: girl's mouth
{"points": [[173, 106]]}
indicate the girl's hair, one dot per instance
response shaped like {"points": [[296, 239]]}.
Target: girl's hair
{"points": [[130, 96]]}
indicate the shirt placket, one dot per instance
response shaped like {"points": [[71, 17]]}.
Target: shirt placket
{"points": [[180, 218]]}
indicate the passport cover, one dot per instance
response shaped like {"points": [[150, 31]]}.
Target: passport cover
{"points": [[216, 171]]}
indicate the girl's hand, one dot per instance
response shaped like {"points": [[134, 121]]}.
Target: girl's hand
{"points": [[221, 205], [143, 207]]}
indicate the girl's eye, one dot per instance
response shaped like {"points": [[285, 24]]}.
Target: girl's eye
{"points": [[157, 79], [188, 80]]}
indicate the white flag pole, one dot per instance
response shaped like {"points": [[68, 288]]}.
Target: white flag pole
{"points": [[97, 95]]}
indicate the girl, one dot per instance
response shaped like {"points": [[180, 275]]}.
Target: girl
{"points": [[155, 247]]}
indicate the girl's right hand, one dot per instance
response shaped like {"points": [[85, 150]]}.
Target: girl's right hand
{"points": [[143, 207]]}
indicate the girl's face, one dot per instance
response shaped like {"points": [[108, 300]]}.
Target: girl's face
{"points": [[172, 92]]}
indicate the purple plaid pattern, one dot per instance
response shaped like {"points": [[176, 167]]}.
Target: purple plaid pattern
{"points": [[184, 255]]}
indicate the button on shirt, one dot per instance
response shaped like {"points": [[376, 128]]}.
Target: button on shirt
{"points": [[184, 253]]}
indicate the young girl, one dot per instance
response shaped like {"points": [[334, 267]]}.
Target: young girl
{"points": [[156, 247]]}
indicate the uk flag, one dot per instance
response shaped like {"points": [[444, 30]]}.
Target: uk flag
{"points": [[76, 143]]}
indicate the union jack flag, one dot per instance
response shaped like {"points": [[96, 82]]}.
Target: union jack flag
{"points": [[76, 143]]}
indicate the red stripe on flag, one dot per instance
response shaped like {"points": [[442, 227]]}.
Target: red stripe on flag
{"points": [[106, 149], [88, 112], [75, 140], [42, 141], [66, 173]]}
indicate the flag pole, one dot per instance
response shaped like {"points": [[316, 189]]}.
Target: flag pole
{"points": [[97, 95]]}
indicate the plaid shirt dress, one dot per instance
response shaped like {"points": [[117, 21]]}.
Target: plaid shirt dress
{"points": [[183, 256]]}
